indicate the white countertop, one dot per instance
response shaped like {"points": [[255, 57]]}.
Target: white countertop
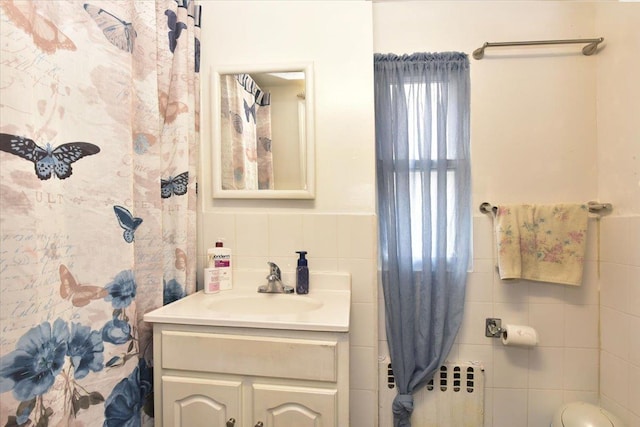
{"points": [[326, 308]]}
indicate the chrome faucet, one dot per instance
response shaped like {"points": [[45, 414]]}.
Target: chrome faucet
{"points": [[274, 282]]}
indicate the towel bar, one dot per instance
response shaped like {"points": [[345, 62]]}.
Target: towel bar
{"points": [[594, 207]]}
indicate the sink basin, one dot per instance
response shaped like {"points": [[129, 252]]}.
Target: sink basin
{"points": [[264, 304], [327, 307]]}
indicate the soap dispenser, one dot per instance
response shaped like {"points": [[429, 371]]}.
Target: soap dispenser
{"points": [[302, 274]]}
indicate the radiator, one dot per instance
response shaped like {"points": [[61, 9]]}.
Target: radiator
{"points": [[454, 398]]}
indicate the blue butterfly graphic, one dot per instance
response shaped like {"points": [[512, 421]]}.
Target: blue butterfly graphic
{"points": [[266, 143], [174, 185], [175, 29], [236, 119], [197, 55], [128, 222], [197, 15], [249, 111], [120, 33], [47, 160]]}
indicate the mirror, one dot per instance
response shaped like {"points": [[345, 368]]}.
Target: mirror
{"points": [[263, 132]]}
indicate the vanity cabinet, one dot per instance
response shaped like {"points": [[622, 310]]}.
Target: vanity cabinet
{"points": [[208, 375], [190, 401]]}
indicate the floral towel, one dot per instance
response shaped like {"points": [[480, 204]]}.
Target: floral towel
{"points": [[544, 243]]}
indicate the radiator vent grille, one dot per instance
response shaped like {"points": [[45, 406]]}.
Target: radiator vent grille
{"points": [[455, 396], [444, 380], [391, 380]]}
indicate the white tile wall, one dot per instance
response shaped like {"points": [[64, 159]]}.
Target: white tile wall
{"points": [[565, 363], [509, 407], [620, 318], [545, 402], [581, 326], [577, 361], [334, 242], [618, 152], [546, 368], [524, 386]]}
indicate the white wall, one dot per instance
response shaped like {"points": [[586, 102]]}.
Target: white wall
{"points": [[338, 228], [285, 129], [533, 139], [274, 32], [618, 104]]}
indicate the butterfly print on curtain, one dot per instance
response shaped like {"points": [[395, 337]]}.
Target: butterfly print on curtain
{"points": [[45, 34], [80, 295], [47, 160], [174, 185], [127, 221], [120, 33], [249, 111], [175, 29]]}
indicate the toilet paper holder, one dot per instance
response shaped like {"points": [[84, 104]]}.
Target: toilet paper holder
{"points": [[493, 327]]}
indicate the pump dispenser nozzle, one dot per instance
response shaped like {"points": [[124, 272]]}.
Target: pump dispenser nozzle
{"points": [[302, 260]]}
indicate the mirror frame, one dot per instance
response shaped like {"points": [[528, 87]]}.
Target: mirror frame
{"points": [[216, 134]]}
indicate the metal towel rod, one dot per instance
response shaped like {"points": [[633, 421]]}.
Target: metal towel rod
{"points": [[589, 49], [594, 207]]}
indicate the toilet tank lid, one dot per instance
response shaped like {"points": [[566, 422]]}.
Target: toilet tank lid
{"points": [[582, 414]]}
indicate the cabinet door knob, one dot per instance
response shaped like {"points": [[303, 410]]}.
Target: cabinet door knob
{"points": [[259, 424], [231, 422]]}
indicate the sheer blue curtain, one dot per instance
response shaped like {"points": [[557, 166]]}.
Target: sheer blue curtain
{"points": [[423, 178]]}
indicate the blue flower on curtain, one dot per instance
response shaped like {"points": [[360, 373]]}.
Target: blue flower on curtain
{"points": [[30, 370], [116, 331], [173, 291], [122, 290], [85, 348], [129, 397], [141, 144]]}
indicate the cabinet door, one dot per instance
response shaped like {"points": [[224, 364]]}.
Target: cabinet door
{"points": [[291, 406], [195, 402]]}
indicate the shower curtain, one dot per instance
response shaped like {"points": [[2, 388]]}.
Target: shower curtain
{"points": [[247, 163], [98, 148]]}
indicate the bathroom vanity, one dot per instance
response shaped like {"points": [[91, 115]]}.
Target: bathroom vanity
{"points": [[240, 358]]}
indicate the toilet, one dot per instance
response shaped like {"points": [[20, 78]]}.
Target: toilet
{"points": [[582, 414]]}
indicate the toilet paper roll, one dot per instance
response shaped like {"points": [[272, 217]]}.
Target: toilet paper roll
{"points": [[519, 335]]}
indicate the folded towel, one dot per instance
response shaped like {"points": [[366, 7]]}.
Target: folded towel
{"points": [[544, 243]]}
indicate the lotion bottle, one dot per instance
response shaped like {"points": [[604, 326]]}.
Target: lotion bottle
{"points": [[218, 275], [302, 274]]}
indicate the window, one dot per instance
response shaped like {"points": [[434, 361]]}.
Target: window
{"points": [[442, 163]]}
